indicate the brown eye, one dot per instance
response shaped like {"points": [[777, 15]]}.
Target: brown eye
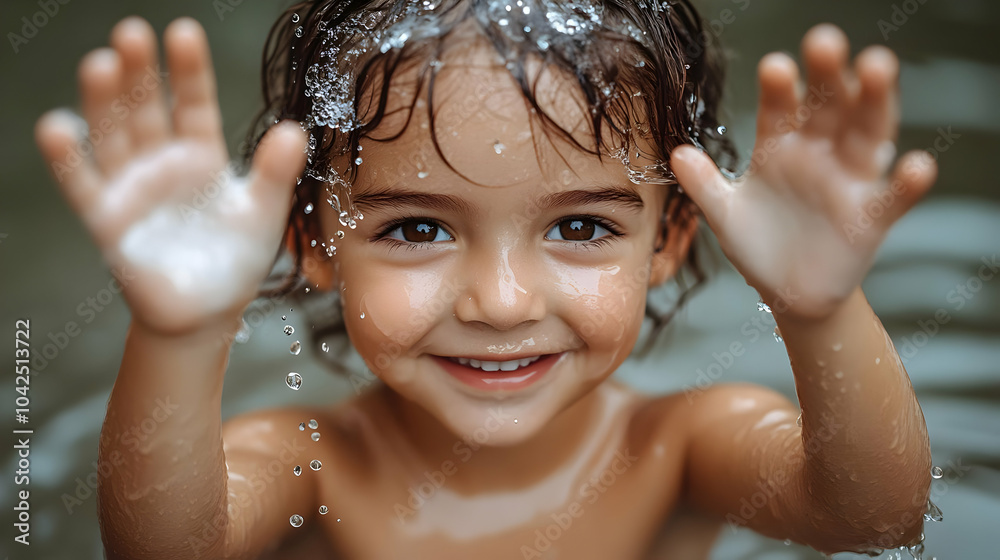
{"points": [[577, 230], [419, 231]]}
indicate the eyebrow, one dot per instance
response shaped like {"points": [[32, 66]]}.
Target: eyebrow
{"points": [[399, 198]]}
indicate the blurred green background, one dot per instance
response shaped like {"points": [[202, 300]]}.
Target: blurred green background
{"points": [[950, 82]]}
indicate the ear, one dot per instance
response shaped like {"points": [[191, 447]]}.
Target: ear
{"points": [[317, 267], [674, 241]]}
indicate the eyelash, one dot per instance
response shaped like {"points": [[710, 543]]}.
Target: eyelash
{"points": [[612, 228]]}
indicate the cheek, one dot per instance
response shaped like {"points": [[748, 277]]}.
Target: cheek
{"points": [[605, 304], [388, 308]]}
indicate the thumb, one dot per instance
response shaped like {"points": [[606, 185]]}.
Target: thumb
{"points": [[702, 181], [279, 159]]}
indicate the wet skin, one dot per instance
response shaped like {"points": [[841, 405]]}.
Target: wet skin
{"points": [[465, 280]]}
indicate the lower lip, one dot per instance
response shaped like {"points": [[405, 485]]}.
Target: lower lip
{"points": [[499, 380]]}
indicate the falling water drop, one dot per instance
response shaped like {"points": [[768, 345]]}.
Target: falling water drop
{"points": [[313, 424], [324, 347], [722, 129], [358, 161], [933, 513], [295, 348], [323, 510], [498, 147], [293, 380], [315, 465], [936, 473], [302, 426], [340, 234], [282, 317], [295, 520], [288, 328], [315, 436], [298, 31], [687, 66], [295, 18], [788, 542], [297, 470]]}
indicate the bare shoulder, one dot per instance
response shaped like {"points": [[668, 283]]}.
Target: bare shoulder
{"points": [[697, 408]]}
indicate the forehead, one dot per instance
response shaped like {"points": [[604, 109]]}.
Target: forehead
{"points": [[484, 125]]}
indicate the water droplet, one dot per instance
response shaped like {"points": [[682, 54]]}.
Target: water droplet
{"points": [[293, 380], [761, 306], [295, 18], [515, 420], [312, 243], [358, 161], [309, 208], [338, 520], [295, 520], [498, 147], [288, 328], [340, 234], [777, 335], [295, 348], [936, 472], [687, 66], [298, 31], [933, 513], [837, 347], [798, 421], [302, 426], [313, 424], [324, 347], [307, 290], [315, 436], [788, 542], [362, 314], [721, 130], [297, 470], [839, 375], [422, 175], [323, 510], [282, 317], [315, 465], [527, 29]]}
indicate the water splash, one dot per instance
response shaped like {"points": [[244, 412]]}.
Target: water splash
{"points": [[293, 380]]}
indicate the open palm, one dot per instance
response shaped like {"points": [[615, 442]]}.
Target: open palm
{"points": [[190, 240]]}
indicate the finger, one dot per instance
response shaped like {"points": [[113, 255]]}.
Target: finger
{"points": [[701, 180], [877, 113], [279, 159], [146, 113], [913, 177], [59, 138], [778, 76], [192, 79], [100, 78], [825, 51]]}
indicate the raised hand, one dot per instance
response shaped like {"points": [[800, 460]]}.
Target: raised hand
{"points": [[804, 223], [190, 241]]}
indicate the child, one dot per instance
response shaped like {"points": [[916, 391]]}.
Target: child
{"points": [[493, 278]]}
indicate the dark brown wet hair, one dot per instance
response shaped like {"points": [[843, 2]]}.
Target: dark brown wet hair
{"points": [[658, 59]]}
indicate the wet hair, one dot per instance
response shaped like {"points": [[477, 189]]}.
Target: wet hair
{"points": [[647, 68]]}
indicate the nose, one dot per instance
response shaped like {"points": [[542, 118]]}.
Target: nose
{"points": [[500, 290]]}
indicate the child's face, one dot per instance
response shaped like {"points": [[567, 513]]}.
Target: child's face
{"points": [[551, 264]]}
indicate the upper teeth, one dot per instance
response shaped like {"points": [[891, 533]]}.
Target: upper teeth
{"points": [[484, 365]]}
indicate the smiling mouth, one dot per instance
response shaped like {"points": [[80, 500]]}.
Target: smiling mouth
{"points": [[490, 366]]}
